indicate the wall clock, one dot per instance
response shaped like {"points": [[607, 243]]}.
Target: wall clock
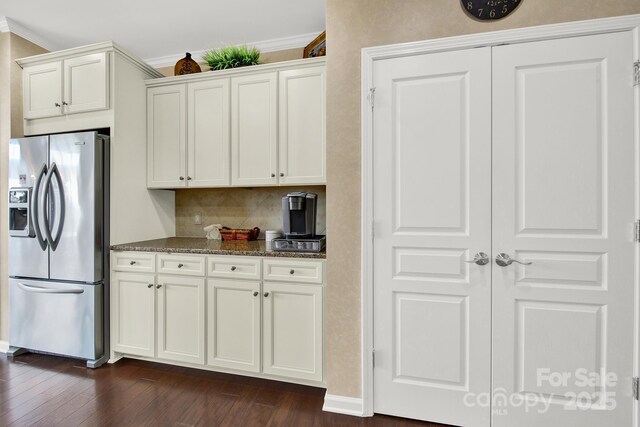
{"points": [[488, 10]]}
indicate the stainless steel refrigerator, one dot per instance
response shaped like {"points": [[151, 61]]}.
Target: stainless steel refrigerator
{"points": [[58, 242]]}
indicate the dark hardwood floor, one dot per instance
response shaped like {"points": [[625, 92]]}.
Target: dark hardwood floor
{"points": [[42, 390]]}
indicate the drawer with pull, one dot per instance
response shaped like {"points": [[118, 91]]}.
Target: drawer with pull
{"points": [[234, 267], [289, 270], [190, 265], [143, 262]]}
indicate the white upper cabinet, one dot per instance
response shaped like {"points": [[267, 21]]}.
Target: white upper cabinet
{"points": [[302, 138], [257, 126], [42, 90], [208, 133], [166, 165], [75, 85], [86, 87], [254, 103]]}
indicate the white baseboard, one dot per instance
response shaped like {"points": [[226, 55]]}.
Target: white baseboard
{"points": [[343, 405], [4, 346]]}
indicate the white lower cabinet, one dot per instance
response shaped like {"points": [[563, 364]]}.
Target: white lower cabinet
{"points": [[233, 325], [133, 302], [181, 327], [292, 328], [251, 314]]}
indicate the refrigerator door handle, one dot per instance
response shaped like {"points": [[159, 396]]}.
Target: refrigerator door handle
{"points": [[43, 290], [35, 205], [53, 242]]}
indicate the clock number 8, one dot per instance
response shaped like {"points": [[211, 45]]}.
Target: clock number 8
{"points": [[469, 5]]}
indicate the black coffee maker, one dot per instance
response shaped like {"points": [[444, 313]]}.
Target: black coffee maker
{"points": [[299, 210]]}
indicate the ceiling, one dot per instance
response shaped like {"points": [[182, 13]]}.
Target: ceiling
{"points": [[153, 29]]}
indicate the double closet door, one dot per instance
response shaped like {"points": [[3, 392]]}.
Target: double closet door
{"points": [[504, 260]]}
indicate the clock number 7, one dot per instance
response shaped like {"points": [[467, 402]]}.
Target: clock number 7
{"points": [[480, 12]]}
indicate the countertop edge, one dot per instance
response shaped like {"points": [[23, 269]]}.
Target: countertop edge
{"points": [[197, 251]]}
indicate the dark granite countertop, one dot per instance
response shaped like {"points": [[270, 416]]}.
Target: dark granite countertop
{"points": [[198, 245]]}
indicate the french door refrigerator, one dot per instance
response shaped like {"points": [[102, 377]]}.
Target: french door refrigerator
{"points": [[58, 240]]}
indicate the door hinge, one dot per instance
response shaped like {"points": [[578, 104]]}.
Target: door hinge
{"points": [[636, 73], [636, 231], [373, 358], [371, 96], [635, 383]]}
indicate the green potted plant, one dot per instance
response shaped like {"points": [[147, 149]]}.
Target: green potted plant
{"points": [[231, 57]]}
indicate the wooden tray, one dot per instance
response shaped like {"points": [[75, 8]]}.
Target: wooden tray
{"points": [[239, 233]]}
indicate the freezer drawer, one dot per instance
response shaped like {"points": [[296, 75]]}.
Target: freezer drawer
{"points": [[55, 317]]}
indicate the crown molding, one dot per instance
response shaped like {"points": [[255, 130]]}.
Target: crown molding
{"points": [[9, 25], [271, 45]]}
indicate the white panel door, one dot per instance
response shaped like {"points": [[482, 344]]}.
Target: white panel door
{"points": [[254, 151], [208, 134], [181, 325], [86, 83], [432, 213], [563, 200], [166, 137], [42, 90], [133, 322], [292, 330], [302, 140], [233, 324]]}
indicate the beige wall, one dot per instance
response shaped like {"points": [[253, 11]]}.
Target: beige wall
{"points": [[238, 208], [265, 58], [12, 47], [351, 26]]}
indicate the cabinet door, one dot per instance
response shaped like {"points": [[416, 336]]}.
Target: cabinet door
{"points": [[233, 329], [42, 90], [166, 137], [181, 318], [253, 130], [86, 83], [292, 330], [208, 134], [133, 304], [302, 137]]}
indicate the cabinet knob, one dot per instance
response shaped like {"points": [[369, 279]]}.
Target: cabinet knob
{"points": [[132, 263], [255, 293], [292, 271], [64, 103], [188, 178], [57, 104], [266, 294], [158, 286], [273, 175], [281, 173], [182, 178], [233, 268], [150, 285], [180, 265]]}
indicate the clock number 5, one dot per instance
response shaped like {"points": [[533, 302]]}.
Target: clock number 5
{"points": [[505, 9]]}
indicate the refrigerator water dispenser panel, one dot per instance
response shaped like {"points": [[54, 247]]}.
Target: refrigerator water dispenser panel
{"points": [[19, 213]]}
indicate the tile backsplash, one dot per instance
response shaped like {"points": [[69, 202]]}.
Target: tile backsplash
{"points": [[239, 208]]}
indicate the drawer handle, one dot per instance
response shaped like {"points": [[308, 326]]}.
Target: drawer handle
{"points": [[291, 271], [132, 263], [180, 265], [266, 294], [150, 285], [158, 286], [255, 293], [233, 268]]}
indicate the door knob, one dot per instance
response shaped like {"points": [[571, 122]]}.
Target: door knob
{"points": [[480, 258], [504, 260]]}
